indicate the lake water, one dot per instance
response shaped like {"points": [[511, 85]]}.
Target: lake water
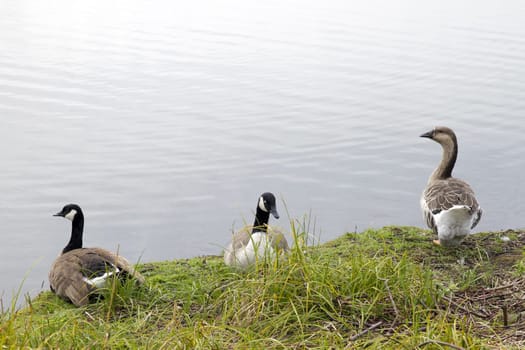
{"points": [[165, 121]]}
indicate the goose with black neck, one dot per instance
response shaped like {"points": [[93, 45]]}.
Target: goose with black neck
{"points": [[259, 241], [79, 272]]}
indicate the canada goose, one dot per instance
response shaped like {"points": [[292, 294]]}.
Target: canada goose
{"points": [[245, 247], [78, 271], [449, 205]]}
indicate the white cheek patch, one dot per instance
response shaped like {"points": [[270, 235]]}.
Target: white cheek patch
{"points": [[261, 205], [71, 214]]}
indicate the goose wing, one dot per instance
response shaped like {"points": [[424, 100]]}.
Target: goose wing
{"points": [[444, 194], [277, 239], [69, 272], [233, 251], [66, 278], [239, 240], [98, 261]]}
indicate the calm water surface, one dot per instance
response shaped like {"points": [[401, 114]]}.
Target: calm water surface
{"points": [[166, 120]]}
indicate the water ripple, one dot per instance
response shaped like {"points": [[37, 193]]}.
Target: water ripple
{"points": [[166, 122]]}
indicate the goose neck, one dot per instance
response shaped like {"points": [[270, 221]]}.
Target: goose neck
{"points": [[261, 221], [77, 228], [448, 160]]}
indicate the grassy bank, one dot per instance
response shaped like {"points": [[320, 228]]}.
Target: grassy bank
{"points": [[389, 288]]}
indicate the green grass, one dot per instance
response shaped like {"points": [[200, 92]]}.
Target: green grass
{"points": [[389, 288]]}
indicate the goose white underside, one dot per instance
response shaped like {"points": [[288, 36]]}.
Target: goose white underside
{"points": [[454, 224], [100, 281], [256, 249]]}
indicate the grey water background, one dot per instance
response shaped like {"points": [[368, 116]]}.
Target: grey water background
{"points": [[166, 120]]}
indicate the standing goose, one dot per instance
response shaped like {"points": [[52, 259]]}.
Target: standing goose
{"points": [[78, 272], [246, 248], [449, 205]]}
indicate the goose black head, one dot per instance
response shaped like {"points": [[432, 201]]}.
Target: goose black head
{"points": [[268, 205], [69, 211]]}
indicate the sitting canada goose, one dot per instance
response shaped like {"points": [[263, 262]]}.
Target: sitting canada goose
{"points": [[78, 272], [245, 247], [449, 205]]}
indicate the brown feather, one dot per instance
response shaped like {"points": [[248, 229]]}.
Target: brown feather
{"points": [[67, 273], [444, 194], [277, 239]]}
